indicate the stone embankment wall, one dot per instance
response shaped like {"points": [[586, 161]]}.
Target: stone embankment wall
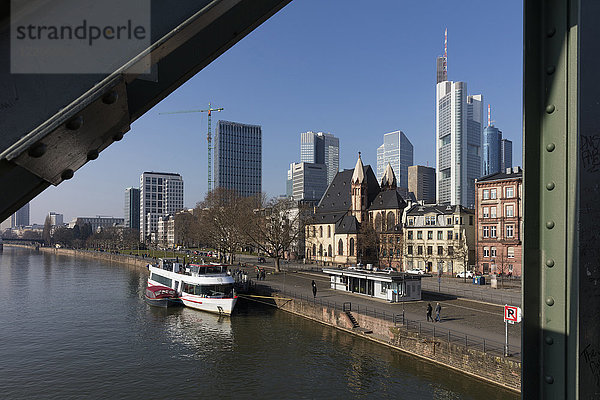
{"points": [[496, 370], [102, 256]]}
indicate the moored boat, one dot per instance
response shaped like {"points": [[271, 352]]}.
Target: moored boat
{"points": [[162, 296], [205, 287]]}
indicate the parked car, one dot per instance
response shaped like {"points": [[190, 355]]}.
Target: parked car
{"points": [[416, 271], [461, 274]]}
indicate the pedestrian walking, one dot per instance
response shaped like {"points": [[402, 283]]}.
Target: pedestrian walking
{"points": [[429, 310], [438, 310], [314, 289]]}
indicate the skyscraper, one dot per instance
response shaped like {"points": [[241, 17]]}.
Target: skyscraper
{"points": [[492, 137], [396, 150], [309, 181], [238, 157], [321, 148], [421, 182], [56, 219], [132, 208], [161, 193], [21, 217], [458, 128], [505, 154]]}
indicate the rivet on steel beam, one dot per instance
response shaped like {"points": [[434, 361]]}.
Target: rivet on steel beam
{"points": [[550, 70], [117, 136], [75, 123], [551, 32], [67, 174], [550, 224], [550, 301], [550, 185], [549, 340], [550, 108], [550, 263], [550, 147], [92, 155], [549, 379], [37, 150], [110, 97]]}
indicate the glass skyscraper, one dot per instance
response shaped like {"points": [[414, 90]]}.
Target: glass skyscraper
{"points": [[309, 181], [321, 148], [238, 157], [21, 217], [497, 152], [396, 150], [132, 208]]}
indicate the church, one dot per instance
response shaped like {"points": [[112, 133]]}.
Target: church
{"points": [[358, 220]]}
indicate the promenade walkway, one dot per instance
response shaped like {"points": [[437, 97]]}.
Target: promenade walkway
{"points": [[463, 317]]}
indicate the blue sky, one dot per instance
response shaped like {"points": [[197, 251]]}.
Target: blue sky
{"points": [[335, 66]]}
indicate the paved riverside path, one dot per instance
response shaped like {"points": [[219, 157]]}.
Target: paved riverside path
{"points": [[467, 317]]}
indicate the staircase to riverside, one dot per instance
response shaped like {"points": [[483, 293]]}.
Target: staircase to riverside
{"points": [[355, 326]]}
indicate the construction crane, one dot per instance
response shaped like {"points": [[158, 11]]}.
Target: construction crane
{"points": [[208, 136]]}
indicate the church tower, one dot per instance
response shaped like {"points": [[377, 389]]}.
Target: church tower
{"points": [[359, 191], [388, 182]]}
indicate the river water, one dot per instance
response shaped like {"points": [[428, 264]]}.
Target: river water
{"points": [[78, 328]]}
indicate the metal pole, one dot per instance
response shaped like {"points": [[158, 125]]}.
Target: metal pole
{"points": [[506, 340]]}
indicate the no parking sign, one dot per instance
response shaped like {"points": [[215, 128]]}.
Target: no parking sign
{"points": [[512, 314]]}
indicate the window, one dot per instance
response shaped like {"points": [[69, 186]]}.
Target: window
{"points": [[486, 212], [410, 235], [510, 192], [493, 252], [486, 194], [419, 234], [486, 251], [493, 231], [429, 250], [328, 231], [430, 235], [511, 252], [510, 231], [419, 250], [486, 231], [440, 250], [411, 221], [351, 246], [440, 235], [449, 221], [492, 193], [320, 249], [409, 249], [430, 220], [340, 248], [450, 250], [320, 231], [492, 212], [510, 210], [314, 250], [470, 220], [329, 253], [449, 235]]}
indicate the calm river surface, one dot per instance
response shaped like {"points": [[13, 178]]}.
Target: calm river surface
{"points": [[77, 328]]}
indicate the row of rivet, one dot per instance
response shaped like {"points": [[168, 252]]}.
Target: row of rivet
{"points": [[550, 108], [39, 149]]}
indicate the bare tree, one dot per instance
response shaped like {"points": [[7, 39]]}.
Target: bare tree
{"points": [[275, 227], [47, 229], [369, 245], [461, 252]]}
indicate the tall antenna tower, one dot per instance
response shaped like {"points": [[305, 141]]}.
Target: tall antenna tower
{"points": [[446, 53], [489, 115]]}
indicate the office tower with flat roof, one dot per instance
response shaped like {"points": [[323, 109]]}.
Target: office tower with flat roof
{"points": [[309, 181], [57, 219], [458, 136], [21, 217], [321, 148], [421, 182], [289, 183], [505, 154], [238, 158], [132, 208], [161, 193], [398, 152], [492, 138]]}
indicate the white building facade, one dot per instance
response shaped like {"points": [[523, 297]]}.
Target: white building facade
{"points": [[161, 194]]}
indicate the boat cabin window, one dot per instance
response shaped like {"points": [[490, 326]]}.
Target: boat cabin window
{"points": [[216, 291], [208, 269], [161, 279]]}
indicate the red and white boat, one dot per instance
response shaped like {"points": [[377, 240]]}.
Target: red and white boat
{"points": [[205, 287]]}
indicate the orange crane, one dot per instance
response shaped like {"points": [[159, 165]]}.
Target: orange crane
{"points": [[208, 136]]}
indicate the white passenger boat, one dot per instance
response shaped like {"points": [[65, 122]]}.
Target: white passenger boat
{"points": [[206, 287]]}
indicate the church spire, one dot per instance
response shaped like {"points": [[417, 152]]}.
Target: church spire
{"points": [[389, 178], [359, 174]]}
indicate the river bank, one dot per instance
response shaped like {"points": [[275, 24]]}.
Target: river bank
{"points": [[501, 371]]}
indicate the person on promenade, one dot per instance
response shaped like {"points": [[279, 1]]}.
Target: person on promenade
{"points": [[438, 310], [314, 289], [429, 310]]}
